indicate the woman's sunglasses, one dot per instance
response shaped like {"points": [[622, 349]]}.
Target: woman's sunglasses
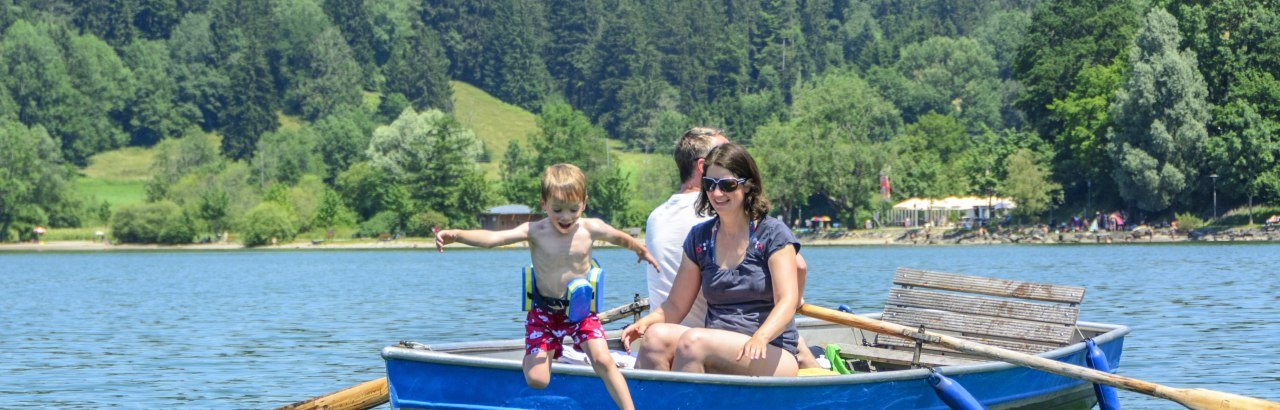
{"points": [[725, 184]]}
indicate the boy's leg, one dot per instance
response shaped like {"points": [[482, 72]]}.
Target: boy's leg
{"points": [[540, 346], [537, 369], [602, 362]]}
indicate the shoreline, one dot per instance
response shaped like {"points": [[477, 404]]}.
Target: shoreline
{"points": [[878, 237]]}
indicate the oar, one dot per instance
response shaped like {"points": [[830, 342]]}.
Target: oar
{"points": [[1192, 398], [373, 393]]}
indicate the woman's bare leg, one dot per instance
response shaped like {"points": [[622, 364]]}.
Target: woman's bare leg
{"points": [[658, 346], [713, 350]]}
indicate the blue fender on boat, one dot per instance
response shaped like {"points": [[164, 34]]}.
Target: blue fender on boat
{"points": [[844, 308], [1107, 399], [953, 393]]}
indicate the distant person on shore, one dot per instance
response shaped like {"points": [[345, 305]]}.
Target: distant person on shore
{"points": [[744, 262], [560, 247], [665, 232]]}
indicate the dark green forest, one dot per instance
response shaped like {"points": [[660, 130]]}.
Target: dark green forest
{"points": [[1068, 106]]}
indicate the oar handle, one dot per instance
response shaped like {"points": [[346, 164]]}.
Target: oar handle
{"points": [[1192, 398], [362, 396]]}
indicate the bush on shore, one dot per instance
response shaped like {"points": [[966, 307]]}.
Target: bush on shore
{"points": [[156, 222], [266, 221]]}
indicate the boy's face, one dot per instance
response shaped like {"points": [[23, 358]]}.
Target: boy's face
{"points": [[563, 214]]}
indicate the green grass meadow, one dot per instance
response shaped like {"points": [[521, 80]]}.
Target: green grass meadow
{"points": [[118, 177], [115, 192], [496, 123]]}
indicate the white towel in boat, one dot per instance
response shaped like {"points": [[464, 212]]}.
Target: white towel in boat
{"points": [[573, 356]]}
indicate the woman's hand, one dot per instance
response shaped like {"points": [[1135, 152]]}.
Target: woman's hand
{"points": [[754, 349], [633, 332]]}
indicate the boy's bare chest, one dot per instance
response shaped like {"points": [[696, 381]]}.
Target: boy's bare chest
{"points": [[557, 260]]}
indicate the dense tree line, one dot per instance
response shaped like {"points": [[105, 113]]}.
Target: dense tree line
{"points": [[1115, 104]]}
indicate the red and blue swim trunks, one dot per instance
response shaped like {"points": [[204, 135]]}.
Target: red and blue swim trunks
{"points": [[544, 331]]}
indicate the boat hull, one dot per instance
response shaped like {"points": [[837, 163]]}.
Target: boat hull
{"points": [[438, 378]]}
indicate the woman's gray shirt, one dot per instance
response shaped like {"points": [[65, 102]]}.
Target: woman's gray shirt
{"points": [[740, 299]]}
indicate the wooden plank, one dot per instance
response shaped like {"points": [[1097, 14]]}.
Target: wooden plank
{"points": [[989, 286], [901, 357], [979, 325], [1011, 309], [1020, 346]]}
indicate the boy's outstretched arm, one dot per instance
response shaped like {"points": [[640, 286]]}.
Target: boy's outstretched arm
{"points": [[482, 238], [602, 231]]}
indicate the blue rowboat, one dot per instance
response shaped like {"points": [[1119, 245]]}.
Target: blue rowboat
{"points": [[487, 375]]}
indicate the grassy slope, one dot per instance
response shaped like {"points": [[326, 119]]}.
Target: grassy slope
{"points": [[498, 123], [495, 122], [118, 177]]}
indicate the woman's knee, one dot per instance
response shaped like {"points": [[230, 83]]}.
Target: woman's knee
{"points": [[661, 337], [691, 343]]}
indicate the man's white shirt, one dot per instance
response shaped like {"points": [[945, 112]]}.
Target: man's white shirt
{"points": [[665, 231]]}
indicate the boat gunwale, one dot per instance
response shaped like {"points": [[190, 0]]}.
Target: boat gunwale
{"points": [[445, 354]]}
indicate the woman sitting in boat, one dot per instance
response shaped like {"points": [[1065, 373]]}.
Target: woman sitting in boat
{"points": [[744, 263]]}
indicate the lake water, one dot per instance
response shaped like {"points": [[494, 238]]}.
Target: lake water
{"points": [[255, 329]]}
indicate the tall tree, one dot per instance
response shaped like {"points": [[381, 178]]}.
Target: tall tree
{"points": [[201, 85], [1082, 159], [435, 158], [155, 19], [110, 20], [1245, 152], [153, 113], [1029, 184], [34, 187], [356, 25], [418, 69], [1160, 115], [495, 45], [833, 147], [107, 84], [575, 28], [343, 138], [297, 24], [1065, 36], [332, 81], [250, 107], [59, 92], [947, 76]]}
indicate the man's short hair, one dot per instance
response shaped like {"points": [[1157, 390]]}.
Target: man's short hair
{"points": [[564, 182], [692, 146]]}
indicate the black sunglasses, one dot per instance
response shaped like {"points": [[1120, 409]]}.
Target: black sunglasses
{"points": [[725, 184]]}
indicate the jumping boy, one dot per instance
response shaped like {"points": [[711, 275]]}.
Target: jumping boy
{"points": [[560, 246]]}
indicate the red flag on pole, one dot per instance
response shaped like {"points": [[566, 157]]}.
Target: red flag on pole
{"points": [[885, 189]]}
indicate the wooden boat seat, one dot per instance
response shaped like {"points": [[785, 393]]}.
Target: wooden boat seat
{"points": [[1022, 316]]}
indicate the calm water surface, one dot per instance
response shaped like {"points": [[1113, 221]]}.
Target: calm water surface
{"points": [[254, 329]]}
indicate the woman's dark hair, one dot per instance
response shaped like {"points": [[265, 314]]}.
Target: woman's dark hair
{"points": [[735, 158]]}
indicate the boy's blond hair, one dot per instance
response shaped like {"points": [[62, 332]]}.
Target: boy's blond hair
{"points": [[564, 182]]}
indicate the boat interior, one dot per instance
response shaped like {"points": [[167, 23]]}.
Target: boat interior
{"points": [[1022, 316]]}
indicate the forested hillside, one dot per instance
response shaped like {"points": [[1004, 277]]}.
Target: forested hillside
{"points": [[1069, 106]]}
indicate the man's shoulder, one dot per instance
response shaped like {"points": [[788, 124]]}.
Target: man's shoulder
{"points": [[678, 211]]}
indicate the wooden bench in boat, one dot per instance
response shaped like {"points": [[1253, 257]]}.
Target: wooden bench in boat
{"points": [[1022, 316]]}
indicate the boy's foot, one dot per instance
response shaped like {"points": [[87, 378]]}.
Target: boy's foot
{"points": [[579, 295]]}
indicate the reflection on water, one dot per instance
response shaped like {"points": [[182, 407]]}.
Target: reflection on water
{"points": [[259, 329]]}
